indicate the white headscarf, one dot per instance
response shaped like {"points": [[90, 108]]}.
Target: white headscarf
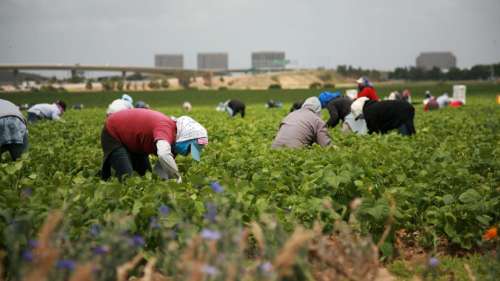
{"points": [[357, 106], [188, 129], [312, 104]]}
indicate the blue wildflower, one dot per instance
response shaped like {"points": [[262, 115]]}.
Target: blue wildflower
{"points": [[216, 187], [210, 234], [27, 192], [211, 213], [433, 262], [138, 241], [95, 230], [164, 210], [266, 267], [27, 255], [100, 250], [209, 270], [65, 264], [153, 223], [33, 243]]}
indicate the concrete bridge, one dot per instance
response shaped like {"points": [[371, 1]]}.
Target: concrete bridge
{"points": [[78, 68]]}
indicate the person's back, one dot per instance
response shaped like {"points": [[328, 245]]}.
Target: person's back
{"points": [[9, 109], [338, 108], [236, 107], [46, 110], [303, 127]]}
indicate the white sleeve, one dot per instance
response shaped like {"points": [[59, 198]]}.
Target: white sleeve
{"points": [[166, 167], [55, 115]]}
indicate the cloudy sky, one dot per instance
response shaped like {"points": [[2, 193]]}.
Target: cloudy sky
{"points": [[378, 34]]}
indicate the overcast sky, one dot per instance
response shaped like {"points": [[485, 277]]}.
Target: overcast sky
{"points": [[378, 34]]}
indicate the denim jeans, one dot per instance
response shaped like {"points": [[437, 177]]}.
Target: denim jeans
{"points": [[125, 163]]}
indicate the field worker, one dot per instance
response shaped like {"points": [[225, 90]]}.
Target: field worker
{"points": [[406, 95], [296, 105], [395, 96], [431, 104], [338, 108], [125, 102], [326, 97], [443, 100], [233, 107], [456, 103], [186, 106], [303, 127], [141, 104], [46, 111], [274, 104], [383, 116], [365, 89], [13, 131], [427, 97], [130, 136]]}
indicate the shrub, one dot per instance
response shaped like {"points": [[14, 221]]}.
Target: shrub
{"points": [[275, 87], [315, 86], [328, 86]]}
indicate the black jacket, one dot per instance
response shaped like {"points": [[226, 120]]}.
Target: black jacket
{"points": [[383, 116], [338, 108], [237, 107]]}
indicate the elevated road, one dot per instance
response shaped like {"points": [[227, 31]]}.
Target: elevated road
{"points": [[123, 69]]}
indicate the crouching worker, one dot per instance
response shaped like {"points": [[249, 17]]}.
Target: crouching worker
{"points": [[383, 116], [13, 131], [233, 107], [303, 127], [130, 136], [46, 111]]}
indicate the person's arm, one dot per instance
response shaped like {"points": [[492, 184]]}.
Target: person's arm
{"points": [[334, 117], [166, 160], [322, 136], [55, 115]]}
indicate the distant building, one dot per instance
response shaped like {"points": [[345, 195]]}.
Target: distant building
{"points": [[169, 61], [212, 61], [268, 60], [442, 60]]}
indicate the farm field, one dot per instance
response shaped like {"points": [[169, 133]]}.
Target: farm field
{"points": [[438, 191]]}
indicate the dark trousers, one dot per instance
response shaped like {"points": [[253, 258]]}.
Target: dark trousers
{"points": [[407, 129], [125, 163], [32, 117], [15, 149]]}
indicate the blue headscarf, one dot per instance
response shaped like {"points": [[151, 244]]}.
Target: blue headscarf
{"points": [[326, 97]]}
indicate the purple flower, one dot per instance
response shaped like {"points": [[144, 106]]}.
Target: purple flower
{"points": [[164, 210], [266, 267], [65, 264], [211, 213], [27, 255], [153, 223], [33, 243], [95, 230], [100, 250], [137, 241], [216, 187], [26, 192], [433, 262], [209, 270], [210, 234]]}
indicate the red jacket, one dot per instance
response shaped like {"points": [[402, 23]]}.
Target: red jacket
{"points": [[368, 92]]}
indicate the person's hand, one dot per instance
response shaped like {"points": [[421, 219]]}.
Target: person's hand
{"points": [[179, 179]]}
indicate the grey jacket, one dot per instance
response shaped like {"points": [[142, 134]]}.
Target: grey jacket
{"points": [[9, 109], [301, 128]]}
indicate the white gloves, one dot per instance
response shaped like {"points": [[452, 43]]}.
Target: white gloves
{"points": [[166, 168]]}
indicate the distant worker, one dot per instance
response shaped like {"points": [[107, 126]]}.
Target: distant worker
{"points": [[274, 104], [395, 96], [303, 127], [46, 111], [186, 106], [13, 131], [427, 97], [233, 107], [406, 95], [456, 103], [78, 106], [296, 105], [129, 136], [141, 104], [326, 97], [366, 89], [443, 100], [383, 116], [125, 102], [431, 104]]}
